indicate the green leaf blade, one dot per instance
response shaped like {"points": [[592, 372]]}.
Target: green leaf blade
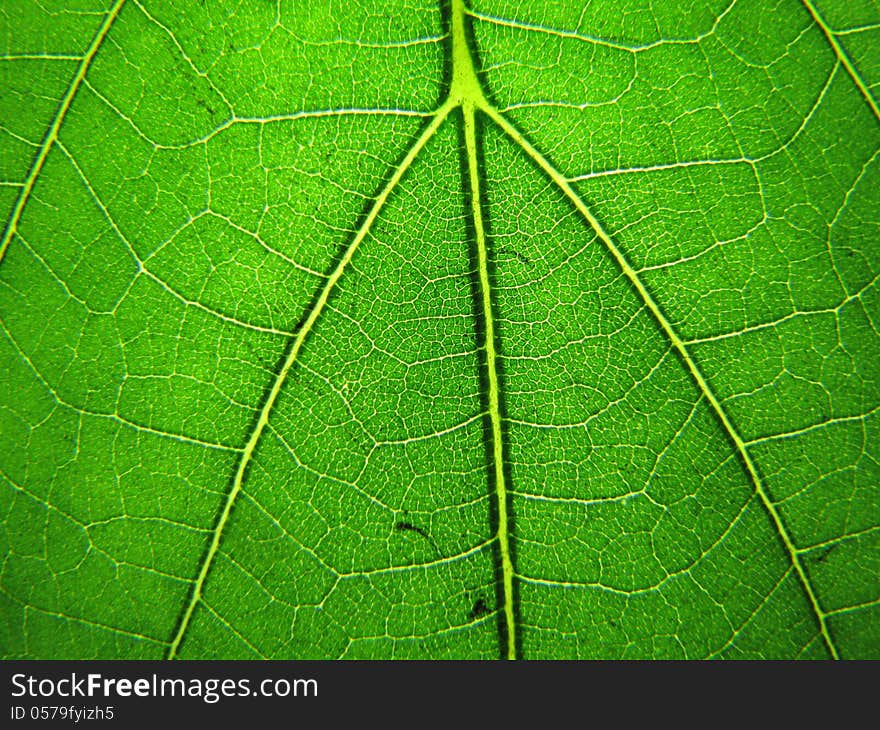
{"points": [[300, 359]]}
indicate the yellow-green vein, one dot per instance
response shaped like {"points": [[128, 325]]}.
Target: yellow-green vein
{"points": [[680, 347], [466, 91], [494, 405], [295, 348], [843, 57], [52, 133]]}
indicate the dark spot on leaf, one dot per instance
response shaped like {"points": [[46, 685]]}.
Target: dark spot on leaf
{"points": [[409, 527], [202, 103], [404, 526], [823, 555], [522, 258], [479, 609]]}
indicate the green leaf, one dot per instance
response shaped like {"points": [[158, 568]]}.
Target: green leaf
{"points": [[402, 330]]}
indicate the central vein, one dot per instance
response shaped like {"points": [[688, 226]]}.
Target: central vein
{"points": [[492, 368], [466, 91]]}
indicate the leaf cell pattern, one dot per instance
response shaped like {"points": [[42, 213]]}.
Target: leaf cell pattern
{"points": [[505, 329]]}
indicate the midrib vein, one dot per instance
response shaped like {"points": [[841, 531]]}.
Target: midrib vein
{"points": [[465, 91], [843, 57], [52, 133], [560, 181], [494, 398], [295, 348]]}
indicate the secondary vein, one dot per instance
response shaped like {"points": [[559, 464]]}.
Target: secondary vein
{"points": [[295, 348], [843, 57], [681, 348], [52, 133]]}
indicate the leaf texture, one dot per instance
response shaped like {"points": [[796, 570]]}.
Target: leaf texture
{"points": [[500, 330]]}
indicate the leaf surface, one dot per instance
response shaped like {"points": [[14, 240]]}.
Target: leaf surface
{"points": [[508, 330]]}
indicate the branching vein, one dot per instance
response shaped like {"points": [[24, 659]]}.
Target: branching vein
{"points": [[52, 133], [293, 353], [688, 359]]}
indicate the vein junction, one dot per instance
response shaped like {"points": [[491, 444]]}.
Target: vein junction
{"points": [[466, 94]]}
